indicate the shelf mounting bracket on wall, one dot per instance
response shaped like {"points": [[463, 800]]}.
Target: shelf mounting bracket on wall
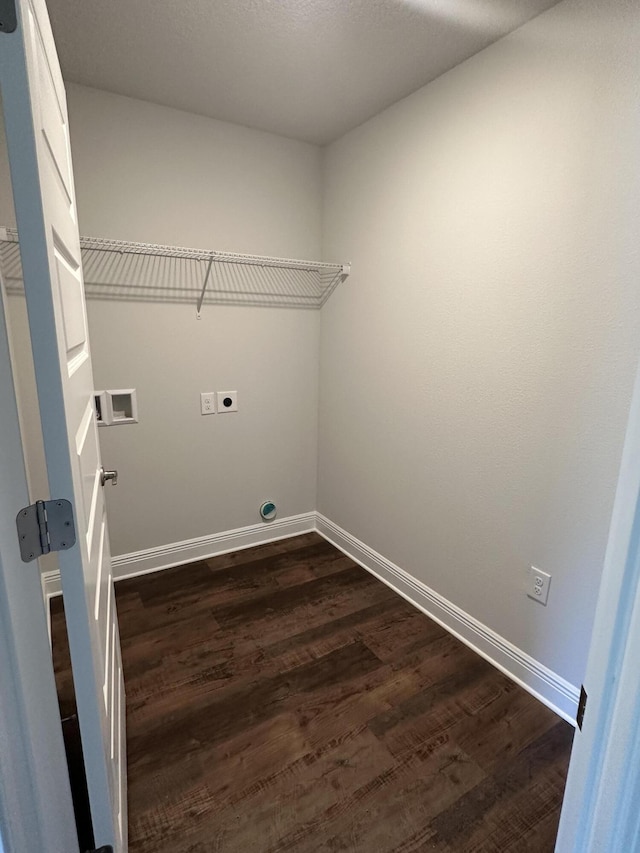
{"points": [[204, 288]]}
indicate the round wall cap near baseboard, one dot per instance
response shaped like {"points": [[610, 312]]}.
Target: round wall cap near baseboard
{"points": [[268, 511]]}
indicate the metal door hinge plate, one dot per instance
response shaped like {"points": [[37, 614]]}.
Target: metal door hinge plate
{"points": [[582, 706], [8, 17], [45, 526]]}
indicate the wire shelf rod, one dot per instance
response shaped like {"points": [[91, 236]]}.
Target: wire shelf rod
{"points": [[154, 272]]}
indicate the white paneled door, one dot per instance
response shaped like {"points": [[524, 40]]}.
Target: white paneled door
{"points": [[37, 131]]}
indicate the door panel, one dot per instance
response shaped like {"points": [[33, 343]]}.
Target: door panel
{"points": [[40, 159], [70, 287]]}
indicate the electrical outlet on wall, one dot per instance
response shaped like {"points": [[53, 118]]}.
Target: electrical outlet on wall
{"points": [[208, 403], [538, 585], [227, 401]]}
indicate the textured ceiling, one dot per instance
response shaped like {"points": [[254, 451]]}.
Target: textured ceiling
{"points": [[308, 69]]}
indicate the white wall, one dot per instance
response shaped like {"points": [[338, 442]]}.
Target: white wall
{"points": [[476, 369], [152, 174], [149, 173]]}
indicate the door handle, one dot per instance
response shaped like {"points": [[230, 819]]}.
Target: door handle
{"points": [[108, 475]]}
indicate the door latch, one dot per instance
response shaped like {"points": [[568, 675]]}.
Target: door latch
{"points": [[108, 475]]}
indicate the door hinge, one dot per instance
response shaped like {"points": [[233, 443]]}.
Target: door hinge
{"points": [[8, 17], [582, 704], [45, 526]]}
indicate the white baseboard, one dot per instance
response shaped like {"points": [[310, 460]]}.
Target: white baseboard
{"points": [[550, 688], [51, 584], [177, 553]]}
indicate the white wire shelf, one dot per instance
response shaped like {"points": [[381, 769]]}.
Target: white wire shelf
{"points": [[145, 272]]}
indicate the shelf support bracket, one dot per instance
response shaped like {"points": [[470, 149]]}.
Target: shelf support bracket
{"points": [[340, 277], [204, 287]]}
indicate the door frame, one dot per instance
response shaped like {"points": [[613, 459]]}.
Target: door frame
{"points": [[601, 807], [36, 809]]}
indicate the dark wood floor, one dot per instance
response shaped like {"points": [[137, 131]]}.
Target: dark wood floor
{"points": [[282, 699]]}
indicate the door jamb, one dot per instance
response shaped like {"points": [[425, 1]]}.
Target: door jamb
{"points": [[36, 809], [600, 808]]}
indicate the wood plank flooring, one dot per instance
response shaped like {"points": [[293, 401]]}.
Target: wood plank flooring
{"points": [[283, 699]]}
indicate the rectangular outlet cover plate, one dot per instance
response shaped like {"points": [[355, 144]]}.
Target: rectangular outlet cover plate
{"points": [[227, 401], [538, 585], [208, 403]]}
